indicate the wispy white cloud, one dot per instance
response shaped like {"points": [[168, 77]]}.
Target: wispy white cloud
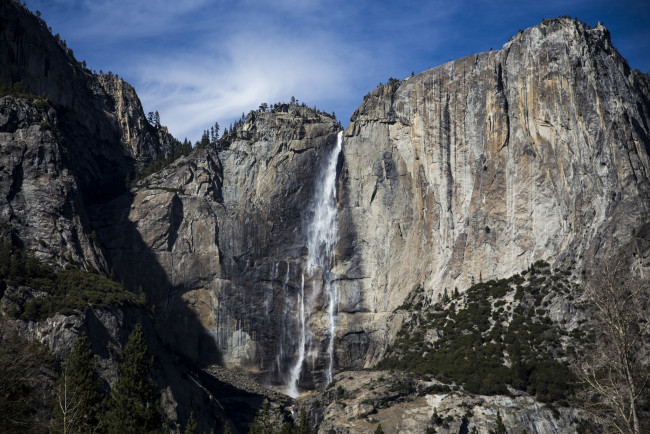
{"points": [[197, 61], [253, 69], [318, 51]]}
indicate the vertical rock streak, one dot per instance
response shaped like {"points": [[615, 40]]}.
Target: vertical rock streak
{"points": [[286, 308], [322, 234]]}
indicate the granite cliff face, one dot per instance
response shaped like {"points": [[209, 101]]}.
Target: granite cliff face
{"points": [[144, 142], [471, 170], [479, 167], [70, 149], [40, 201], [220, 241], [100, 108]]}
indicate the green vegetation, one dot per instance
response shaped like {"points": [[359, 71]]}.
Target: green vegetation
{"points": [[19, 90], [65, 291], [81, 406], [501, 428], [270, 421], [486, 348], [180, 150], [190, 426], [73, 290], [26, 383], [80, 402], [134, 405]]}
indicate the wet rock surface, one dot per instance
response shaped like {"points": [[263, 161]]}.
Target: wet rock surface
{"points": [[220, 242]]}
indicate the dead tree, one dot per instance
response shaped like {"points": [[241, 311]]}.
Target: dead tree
{"points": [[616, 370]]}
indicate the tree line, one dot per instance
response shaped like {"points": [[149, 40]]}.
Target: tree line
{"points": [[79, 402], [132, 406]]}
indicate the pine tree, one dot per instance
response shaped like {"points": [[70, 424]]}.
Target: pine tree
{"points": [[267, 421], [205, 138], [26, 370], [190, 426], [79, 404], [501, 428], [379, 430], [303, 424], [285, 428], [134, 406]]}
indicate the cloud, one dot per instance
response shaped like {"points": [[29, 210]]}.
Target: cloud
{"points": [[252, 69], [323, 53], [197, 61], [203, 60]]}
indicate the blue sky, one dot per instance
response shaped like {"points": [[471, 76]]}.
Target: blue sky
{"points": [[201, 61]]}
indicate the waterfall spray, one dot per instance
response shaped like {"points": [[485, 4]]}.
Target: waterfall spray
{"points": [[294, 373], [322, 234]]}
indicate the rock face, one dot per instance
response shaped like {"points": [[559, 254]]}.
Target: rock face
{"points": [[71, 152], [40, 201], [361, 400], [479, 167], [103, 108], [220, 243], [474, 169], [144, 142], [471, 170]]}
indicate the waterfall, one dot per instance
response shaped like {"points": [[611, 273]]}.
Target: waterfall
{"points": [[322, 234], [294, 373]]}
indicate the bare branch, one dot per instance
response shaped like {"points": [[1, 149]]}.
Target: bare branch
{"points": [[615, 372]]}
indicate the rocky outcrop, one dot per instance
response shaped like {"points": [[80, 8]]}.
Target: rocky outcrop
{"points": [[144, 142], [102, 109], [481, 166], [71, 148], [30, 54], [219, 241], [40, 204], [361, 400]]}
